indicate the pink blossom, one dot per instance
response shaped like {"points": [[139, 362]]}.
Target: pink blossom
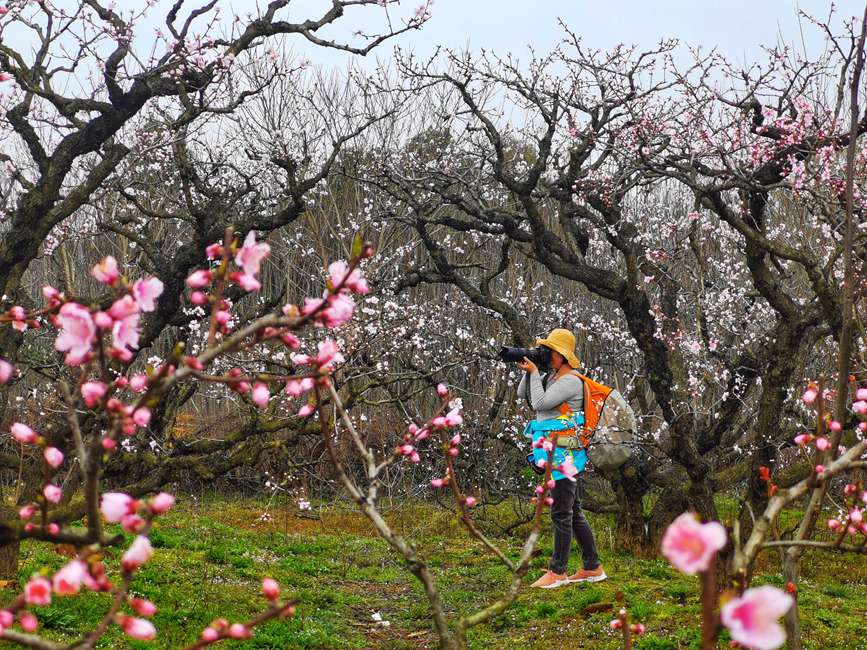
{"points": [[305, 411], [76, 332], [92, 392], [213, 251], [125, 333], [802, 439], [338, 310], [245, 281], [421, 435], [37, 591], [199, 279], [103, 321], [437, 483], [249, 257], [198, 298], [835, 426], [238, 631], [132, 523], [638, 629], [23, 434], [456, 440], [860, 407], [116, 505], [68, 580], [123, 308], [690, 545], [568, 468], [143, 607], [820, 469], [28, 621], [270, 588], [861, 394], [146, 291], [223, 316], [50, 293], [142, 416], [810, 395], [53, 456], [139, 552], [106, 271], [442, 390], [108, 444], [295, 387], [52, 493], [52, 528], [162, 502], [138, 628], [19, 317], [6, 371], [833, 524], [260, 395], [138, 383], [337, 274], [209, 634], [616, 624], [27, 511], [822, 444], [856, 516], [752, 618], [453, 418], [470, 501], [329, 354]]}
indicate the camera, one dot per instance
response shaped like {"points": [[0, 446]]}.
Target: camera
{"points": [[540, 355]]}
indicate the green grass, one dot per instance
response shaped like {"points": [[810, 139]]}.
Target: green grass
{"points": [[210, 558]]}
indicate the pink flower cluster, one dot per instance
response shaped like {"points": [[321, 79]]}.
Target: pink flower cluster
{"points": [[90, 573], [751, 618], [336, 306], [854, 520], [80, 328]]}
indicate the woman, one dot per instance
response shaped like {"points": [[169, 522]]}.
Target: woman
{"points": [[562, 386]]}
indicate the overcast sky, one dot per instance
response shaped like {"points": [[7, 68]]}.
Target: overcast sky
{"points": [[736, 27]]}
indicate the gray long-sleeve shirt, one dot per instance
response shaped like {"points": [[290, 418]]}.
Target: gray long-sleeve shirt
{"points": [[546, 403]]}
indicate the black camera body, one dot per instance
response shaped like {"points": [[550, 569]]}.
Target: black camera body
{"points": [[539, 355]]}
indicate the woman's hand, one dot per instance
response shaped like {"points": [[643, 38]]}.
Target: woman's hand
{"points": [[528, 365]]}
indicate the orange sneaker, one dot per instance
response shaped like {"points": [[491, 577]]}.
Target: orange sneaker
{"points": [[589, 575], [550, 580]]}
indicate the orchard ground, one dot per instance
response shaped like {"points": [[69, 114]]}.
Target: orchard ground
{"points": [[211, 555]]}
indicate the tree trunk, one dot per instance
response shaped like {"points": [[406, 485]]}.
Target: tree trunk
{"points": [[8, 552], [630, 486]]}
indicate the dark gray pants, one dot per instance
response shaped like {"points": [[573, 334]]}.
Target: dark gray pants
{"points": [[569, 520]]}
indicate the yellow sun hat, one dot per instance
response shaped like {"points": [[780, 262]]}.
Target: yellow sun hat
{"points": [[562, 341]]}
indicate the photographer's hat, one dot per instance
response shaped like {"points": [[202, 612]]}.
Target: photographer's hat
{"points": [[562, 341]]}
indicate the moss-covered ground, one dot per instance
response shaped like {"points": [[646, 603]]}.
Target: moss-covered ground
{"points": [[211, 555]]}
